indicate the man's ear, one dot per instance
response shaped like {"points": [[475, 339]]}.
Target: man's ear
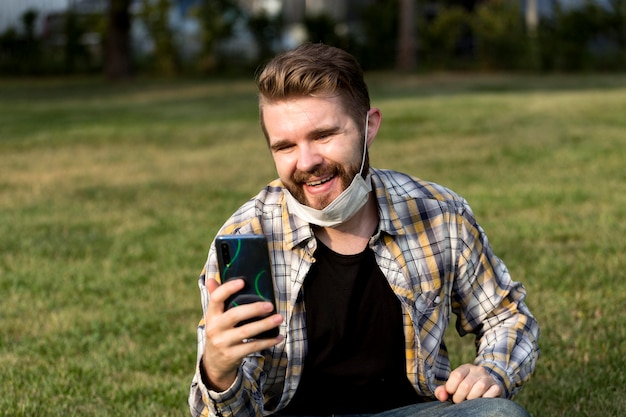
{"points": [[375, 118]]}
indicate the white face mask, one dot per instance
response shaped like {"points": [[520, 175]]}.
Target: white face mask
{"points": [[346, 205]]}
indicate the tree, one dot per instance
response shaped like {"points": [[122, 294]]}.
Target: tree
{"points": [[532, 22], [118, 63], [265, 30], [154, 14], [218, 19], [407, 36], [379, 22]]}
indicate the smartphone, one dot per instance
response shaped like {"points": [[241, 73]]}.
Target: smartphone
{"points": [[247, 257]]}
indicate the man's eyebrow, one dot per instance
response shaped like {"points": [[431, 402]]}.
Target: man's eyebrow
{"points": [[323, 131], [280, 144], [313, 134]]}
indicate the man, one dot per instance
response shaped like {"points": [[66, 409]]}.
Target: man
{"points": [[368, 264]]}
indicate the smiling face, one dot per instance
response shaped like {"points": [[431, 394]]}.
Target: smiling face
{"points": [[316, 146]]}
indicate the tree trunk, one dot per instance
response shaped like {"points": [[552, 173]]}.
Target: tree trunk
{"points": [[532, 22], [117, 64], [532, 16], [407, 36]]}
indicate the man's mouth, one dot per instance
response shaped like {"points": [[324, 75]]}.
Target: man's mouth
{"points": [[319, 182]]}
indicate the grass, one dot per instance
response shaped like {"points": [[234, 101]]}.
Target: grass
{"points": [[110, 196]]}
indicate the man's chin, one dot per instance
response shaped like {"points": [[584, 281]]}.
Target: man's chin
{"points": [[310, 203], [317, 204]]}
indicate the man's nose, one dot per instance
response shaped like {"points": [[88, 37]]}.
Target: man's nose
{"points": [[308, 158]]}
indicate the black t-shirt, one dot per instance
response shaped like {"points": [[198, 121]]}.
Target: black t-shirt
{"points": [[356, 350]]}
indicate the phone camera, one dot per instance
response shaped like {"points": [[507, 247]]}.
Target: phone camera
{"points": [[225, 253]]}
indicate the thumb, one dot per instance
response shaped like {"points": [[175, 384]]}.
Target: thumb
{"points": [[441, 393]]}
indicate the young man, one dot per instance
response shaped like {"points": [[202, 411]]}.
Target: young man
{"points": [[368, 266]]}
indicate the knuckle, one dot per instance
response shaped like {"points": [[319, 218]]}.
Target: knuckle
{"points": [[465, 386], [482, 383]]}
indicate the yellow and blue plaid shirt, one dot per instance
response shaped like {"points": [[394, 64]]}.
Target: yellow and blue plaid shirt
{"points": [[436, 259]]}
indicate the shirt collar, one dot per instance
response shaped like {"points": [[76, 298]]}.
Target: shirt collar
{"points": [[389, 219]]}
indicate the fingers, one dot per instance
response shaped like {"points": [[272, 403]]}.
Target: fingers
{"points": [[441, 393], [495, 391], [468, 382], [245, 320], [219, 293], [212, 284], [226, 325], [226, 344], [218, 319], [233, 344]]}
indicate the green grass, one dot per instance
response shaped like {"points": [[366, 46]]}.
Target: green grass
{"points": [[110, 196]]}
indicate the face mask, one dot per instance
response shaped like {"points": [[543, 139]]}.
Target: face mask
{"points": [[346, 205]]}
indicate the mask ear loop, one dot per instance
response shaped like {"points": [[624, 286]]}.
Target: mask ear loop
{"points": [[367, 119]]}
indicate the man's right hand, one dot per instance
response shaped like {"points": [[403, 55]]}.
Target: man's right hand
{"points": [[226, 345]]}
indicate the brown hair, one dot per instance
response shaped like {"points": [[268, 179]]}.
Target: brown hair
{"points": [[315, 70]]}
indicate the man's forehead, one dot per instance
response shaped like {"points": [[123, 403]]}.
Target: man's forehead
{"points": [[303, 110]]}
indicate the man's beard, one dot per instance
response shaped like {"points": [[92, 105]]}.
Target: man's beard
{"points": [[300, 178]]}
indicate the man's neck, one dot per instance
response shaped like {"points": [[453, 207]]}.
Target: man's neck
{"points": [[351, 237]]}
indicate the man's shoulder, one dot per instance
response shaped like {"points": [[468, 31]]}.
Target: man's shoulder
{"points": [[399, 185], [271, 194], [268, 199], [266, 204]]}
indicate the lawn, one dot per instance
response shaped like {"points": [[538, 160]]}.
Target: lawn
{"points": [[111, 194]]}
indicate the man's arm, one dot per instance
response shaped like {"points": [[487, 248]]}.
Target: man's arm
{"points": [[226, 344], [225, 384], [490, 305]]}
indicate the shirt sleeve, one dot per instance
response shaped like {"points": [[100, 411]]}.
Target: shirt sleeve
{"points": [[492, 306], [244, 397]]}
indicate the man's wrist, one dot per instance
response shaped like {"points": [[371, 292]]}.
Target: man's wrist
{"points": [[499, 375], [215, 385]]}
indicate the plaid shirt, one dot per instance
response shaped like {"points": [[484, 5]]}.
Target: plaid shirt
{"points": [[436, 259]]}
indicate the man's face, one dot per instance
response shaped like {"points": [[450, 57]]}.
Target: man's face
{"points": [[316, 146]]}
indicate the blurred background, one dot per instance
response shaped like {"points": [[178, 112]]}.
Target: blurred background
{"points": [[122, 38]]}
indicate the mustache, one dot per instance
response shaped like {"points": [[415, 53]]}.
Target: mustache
{"points": [[302, 177]]}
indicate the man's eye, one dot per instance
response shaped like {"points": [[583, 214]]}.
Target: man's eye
{"points": [[283, 148], [322, 136]]}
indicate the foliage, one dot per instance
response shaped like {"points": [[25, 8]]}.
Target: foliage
{"points": [[266, 30], [379, 36], [489, 36], [155, 16], [441, 39], [576, 29], [617, 21], [500, 35], [77, 56], [21, 53], [590, 37], [322, 27], [218, 19], [26, 53]]}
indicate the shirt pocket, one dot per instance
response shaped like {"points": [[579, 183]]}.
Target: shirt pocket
{"points": [[430, 317], [428, 301]]}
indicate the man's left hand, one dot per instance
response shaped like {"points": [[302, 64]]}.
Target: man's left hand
{"points": [[468, 382]]}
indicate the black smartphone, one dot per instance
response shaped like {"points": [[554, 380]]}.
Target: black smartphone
{"points": [[247, 257]]}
